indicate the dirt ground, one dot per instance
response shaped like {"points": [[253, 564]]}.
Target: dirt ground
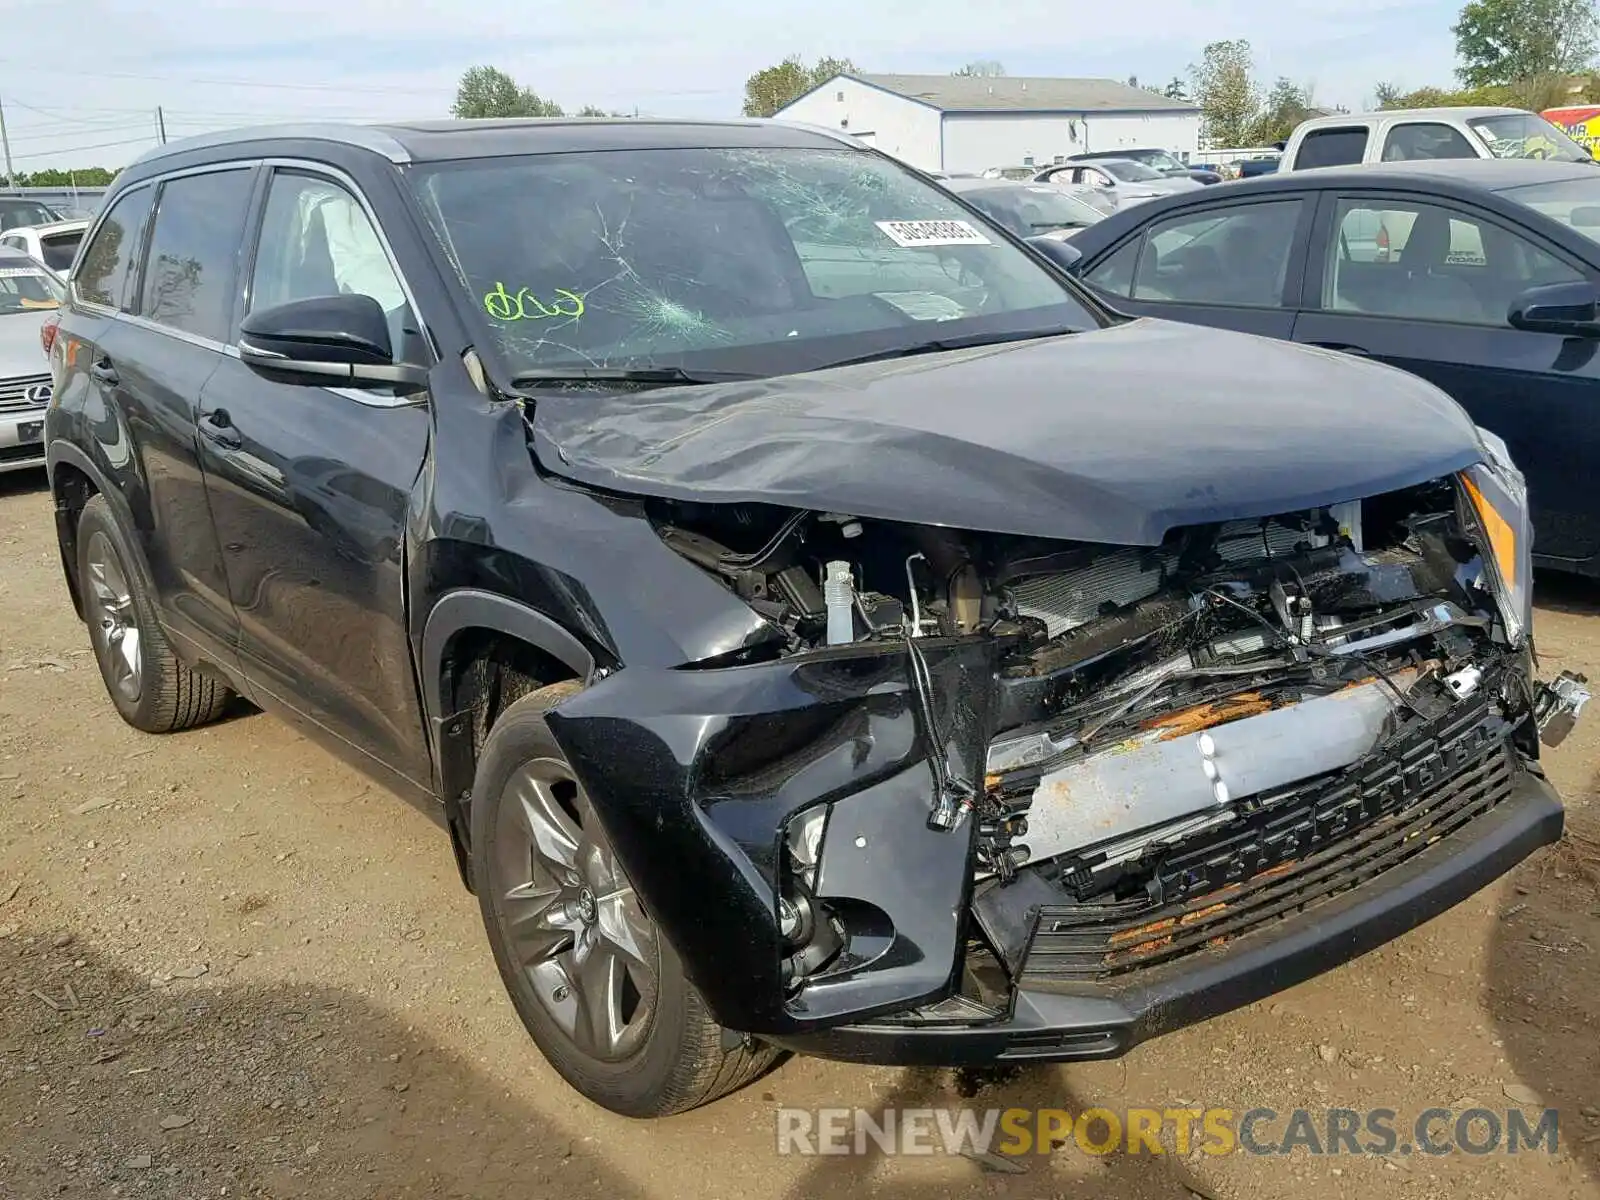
{"points": [[231, 966]]}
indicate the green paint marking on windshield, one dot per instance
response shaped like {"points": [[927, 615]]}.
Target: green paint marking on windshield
{"points": [[523, 305]]}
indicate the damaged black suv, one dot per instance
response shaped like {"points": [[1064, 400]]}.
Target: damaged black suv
{"points": [[819, 625]]}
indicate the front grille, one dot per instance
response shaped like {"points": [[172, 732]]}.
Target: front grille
{"points": [[1079, 943], [15, 454], [14, 393]]}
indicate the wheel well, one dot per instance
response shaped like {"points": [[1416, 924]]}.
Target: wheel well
{"points": [[72, 489], [484, 672]]}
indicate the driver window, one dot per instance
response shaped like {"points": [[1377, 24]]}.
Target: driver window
{"points": [[316, 240]]}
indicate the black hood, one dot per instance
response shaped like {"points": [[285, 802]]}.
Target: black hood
{"points": [[1112, 436]]}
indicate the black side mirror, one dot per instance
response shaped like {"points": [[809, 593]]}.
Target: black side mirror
{"points": [[1572, 309], [326, 341], [1063, 254]]}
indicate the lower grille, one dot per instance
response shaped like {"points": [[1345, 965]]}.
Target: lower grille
{"points": [[19, 394], [1079, 943], [11, 454]]}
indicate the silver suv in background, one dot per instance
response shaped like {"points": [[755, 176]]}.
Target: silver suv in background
{"points": [[29, 295]]}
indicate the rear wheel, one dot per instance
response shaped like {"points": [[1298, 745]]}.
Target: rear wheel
{"points": [[152, 690], [599, 989]]}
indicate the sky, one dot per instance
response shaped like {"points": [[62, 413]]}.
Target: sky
{"points": [[87, 95]]}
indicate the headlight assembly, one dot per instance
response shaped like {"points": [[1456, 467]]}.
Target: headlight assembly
{"points": [[1497, 495]]}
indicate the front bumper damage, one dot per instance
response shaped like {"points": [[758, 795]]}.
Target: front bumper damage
{"points": [[698, 773]]}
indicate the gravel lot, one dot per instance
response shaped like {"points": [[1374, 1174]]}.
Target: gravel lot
{"points": [[231, 966]]}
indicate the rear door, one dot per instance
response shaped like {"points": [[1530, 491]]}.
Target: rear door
{"points": [[309, 487], [1234, 265], [1425, 285], [140, 339]]}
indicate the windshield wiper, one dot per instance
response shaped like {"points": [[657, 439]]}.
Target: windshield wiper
{"points": [[648, 376], [955, 343]]}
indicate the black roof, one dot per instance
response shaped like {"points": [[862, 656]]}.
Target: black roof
{"points": [[434, 141]]}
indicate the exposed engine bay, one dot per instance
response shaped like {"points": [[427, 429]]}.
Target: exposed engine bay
{"points": [[1153, 705]]}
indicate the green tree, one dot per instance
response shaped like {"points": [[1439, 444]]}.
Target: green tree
{"points": [[77, 177], [1504, 42], [1225, 91], [490, 92], [775, 87], [1286, 106], [984, 67], [1176, 90]]}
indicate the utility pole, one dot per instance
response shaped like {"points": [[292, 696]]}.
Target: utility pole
{"points": [[161, 124], [11, 179]]}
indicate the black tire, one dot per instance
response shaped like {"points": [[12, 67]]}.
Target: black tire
{"points": [[164, 695], [683, 1058]]}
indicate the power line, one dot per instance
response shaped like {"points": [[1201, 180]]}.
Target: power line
{"points": [[24, 67], [139, 141]]}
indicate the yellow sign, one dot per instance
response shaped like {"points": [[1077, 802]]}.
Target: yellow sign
{"points": [[523, 305]]}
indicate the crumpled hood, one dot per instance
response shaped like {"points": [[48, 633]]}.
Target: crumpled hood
{"points": [[1111, 436]]}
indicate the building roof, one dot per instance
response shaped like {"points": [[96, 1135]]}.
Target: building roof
{"points": [[972, 93]]}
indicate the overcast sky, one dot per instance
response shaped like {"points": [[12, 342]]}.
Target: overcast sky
{"points": [[80, 82]]}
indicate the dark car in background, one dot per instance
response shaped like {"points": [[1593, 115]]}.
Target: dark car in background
{"points": [[1480, 275], [1028, 209], [818, 622], [1164, 161], [16, 211]]}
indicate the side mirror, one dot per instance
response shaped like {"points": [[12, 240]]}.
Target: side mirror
{"points": [[1063, 254], [326, 341], [1572, 309]]}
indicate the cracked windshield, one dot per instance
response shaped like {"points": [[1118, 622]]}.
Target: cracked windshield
{"points": [[761, 261]]}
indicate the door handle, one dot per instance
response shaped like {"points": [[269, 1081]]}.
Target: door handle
{"points": [[218, 427], [1343, 348], [105, 373]]}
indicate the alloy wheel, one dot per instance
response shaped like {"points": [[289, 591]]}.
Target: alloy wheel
{"points": [[113, 621], [570, 915]]}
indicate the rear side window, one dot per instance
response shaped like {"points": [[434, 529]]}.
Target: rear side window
{"points": [[191, 272], [103, 275], [1238, 255], [59, 250], [1424, 140], [1332, 147]]}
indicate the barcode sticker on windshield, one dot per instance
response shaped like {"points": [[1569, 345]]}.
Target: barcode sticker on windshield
{"points": [[932, 233], [19, 273]]}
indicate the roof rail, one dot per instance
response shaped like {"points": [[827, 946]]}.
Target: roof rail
{"points": [[365, 137]]}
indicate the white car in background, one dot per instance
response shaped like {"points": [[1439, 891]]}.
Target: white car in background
{"points": [[1122, 179], [55, 244], [1408, 134]]}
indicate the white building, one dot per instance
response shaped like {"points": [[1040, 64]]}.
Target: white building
{"points": [[967, 123]]}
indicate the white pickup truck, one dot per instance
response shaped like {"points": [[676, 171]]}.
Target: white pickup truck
{"points": [[1404, 134]]}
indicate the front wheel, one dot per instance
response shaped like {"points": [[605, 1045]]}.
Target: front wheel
{"points": [[598, 987]]}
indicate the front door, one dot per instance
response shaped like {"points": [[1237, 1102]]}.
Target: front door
{"points": [[309, 489], [1426, 287]]}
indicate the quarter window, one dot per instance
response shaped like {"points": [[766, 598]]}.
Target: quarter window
{"points": [[1428, 263], [1114, 276], [191, 272], [103, 274], [1237, 255]]}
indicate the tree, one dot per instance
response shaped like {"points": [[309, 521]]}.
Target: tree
{"points": [[1287, 105], [77, 177], [775, 87], [1226, 92], [1505, 42], [490, 92], [1176, 90], [987, 68]]}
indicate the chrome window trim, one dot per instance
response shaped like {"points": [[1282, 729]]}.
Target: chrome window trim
{"points": [[302, 165]]}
